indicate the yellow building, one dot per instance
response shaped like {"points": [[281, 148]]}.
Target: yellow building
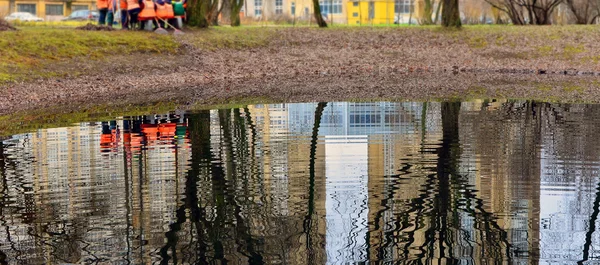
{"points": [[371, 12], [49, 10], [380, 12]]}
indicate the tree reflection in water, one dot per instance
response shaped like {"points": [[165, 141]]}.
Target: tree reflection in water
{"points": [[249, 194]]}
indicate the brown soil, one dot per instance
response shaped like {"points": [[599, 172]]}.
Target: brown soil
{"points": [[300, 65], [92, 27], [4, 26]]}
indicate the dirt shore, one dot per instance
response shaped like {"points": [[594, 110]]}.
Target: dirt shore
{"points": [[307, 64]]}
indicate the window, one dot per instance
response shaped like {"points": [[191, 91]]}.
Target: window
{"points": [[371, 10], [355, 14], [29, 8], [278, 7], [78, 7], [404, 6], [331, 6], [364, 120], [54, 10], [257, 8], [355, 4]]}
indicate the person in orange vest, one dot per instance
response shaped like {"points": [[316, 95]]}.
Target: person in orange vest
{"points": [[133, 9], [110, 16], [148, 12], [102, 6], [124, 15], [164, 11]]}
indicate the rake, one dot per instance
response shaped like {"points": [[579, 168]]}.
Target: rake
{"points": [[177, 32], [160, 30]]}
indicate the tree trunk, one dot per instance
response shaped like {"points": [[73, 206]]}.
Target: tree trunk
{"points": [[451, 14], [213, 12], [425, 18], [236, 7], [581, 14], [437, 12], [197, 11], [225, 11], [320, 21]]}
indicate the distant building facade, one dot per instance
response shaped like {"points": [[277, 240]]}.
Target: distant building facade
{"points": [[50, 10]]}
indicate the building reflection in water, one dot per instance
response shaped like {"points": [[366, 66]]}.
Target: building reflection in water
{"points": [[481, 182]]}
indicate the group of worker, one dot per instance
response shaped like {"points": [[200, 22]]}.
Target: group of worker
{"points": [[161, 13], [139, 133]]}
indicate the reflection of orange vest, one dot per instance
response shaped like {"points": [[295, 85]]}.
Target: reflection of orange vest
{"points": [[102, 4], [106, 140], [165, 11], [150, 131], [132, 4], [126, 138], [148, 11], [167, 130], [136, 142]]}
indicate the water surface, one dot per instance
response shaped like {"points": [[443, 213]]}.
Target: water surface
{"points": [[481, 182]]}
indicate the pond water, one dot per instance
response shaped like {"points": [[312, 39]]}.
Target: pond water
{"points": [[479, 182]]}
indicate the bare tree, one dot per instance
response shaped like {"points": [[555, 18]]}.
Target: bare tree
{"points": [[521, 12], [585, 11], [511, 8], [542, 10]]}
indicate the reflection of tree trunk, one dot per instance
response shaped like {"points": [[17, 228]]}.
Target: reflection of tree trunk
{"points": [[311, 190], [4, 196], [592, 227], [252, 128], [199, 127], [202, 163], [241, 227], [447, 167], [127, 177]]}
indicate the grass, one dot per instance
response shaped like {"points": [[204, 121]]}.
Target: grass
{"points": [[34, 51]]}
